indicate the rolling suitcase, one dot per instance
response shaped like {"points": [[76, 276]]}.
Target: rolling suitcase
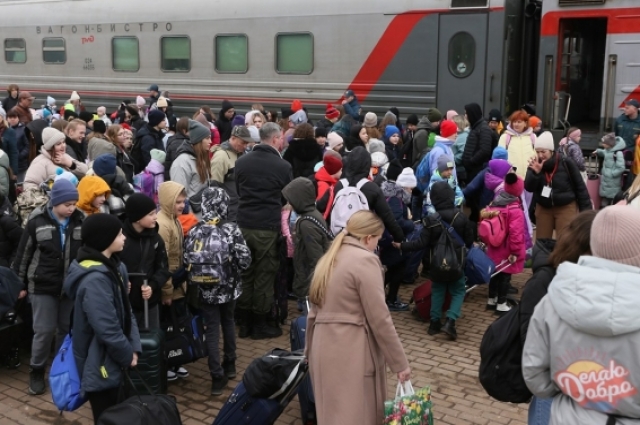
{"points": [[305, 392], [422, 299], [593, 183]]}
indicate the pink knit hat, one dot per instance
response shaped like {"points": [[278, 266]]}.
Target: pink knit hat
{"points": [[513, 185], [615, 233]]}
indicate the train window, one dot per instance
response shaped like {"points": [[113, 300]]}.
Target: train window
{"points": [[176, 54], [15, 50], [125, 54], [455, 4], [462, 54], [232, 53], [54, 50], [294, 53]]}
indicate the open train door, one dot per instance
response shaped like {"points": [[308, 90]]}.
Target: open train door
{"points": [[461, 62]]}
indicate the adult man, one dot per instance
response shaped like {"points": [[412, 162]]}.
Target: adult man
{"points": [[76, 147], [154, 93], [149, 137], [22, 143], [260, 178], [628, 124], [223, 165], [23, 108]]}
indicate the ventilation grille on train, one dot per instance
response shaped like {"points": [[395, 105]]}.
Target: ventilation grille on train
{"points": [[461, 4], [580, 2]]}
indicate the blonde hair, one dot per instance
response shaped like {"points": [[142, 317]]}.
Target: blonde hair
{"points": [[461, 122], [360, 225], [74, 124]]}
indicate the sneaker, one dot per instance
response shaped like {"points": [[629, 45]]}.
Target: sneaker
{"points": [[229, 369], [218, 385], [435, 326], [36, 381], [181, 372], [491, 303], [502, 308], [398, 306], [171, 375]]}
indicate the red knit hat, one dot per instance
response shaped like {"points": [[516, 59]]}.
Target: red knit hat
{"points": [[331, 112], [448, 128], [332, 164], [296, 105]]}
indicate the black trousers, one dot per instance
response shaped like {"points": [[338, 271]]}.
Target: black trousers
{"points": [[102, 400], [393, 278], [499, 287]]}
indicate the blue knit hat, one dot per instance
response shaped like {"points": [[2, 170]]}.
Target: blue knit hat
{"points": [[63, 191], [104, 165], [500, 153], [390, 130]]}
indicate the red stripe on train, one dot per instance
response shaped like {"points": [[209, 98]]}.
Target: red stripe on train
{"points": [[619, 21]]}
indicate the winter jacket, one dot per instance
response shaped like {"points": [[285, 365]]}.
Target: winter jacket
{"points": [[147, 138], [185, 172], [260, 178], [628, 129], [325, 123], [567, 185], [435, 178], [42, 260], [421, 141], [215, 204], [75, 150], [479, 186], [393, 151], [145, 253], [223, 166], [119, 187], [42, 169], [10, 232], [612, 169], [170, 231], [9, 102], [582, 343], [353, 108], [397, 199], [514, 244], [98, 146], [537, 285], [22, 143], [99, 317], [458, 146], [126, 164], [477, 151], [5, 169], [156, 169], [343, 126], [311, 242], [571, 150], [303, 155], [355, 169], [222, 123], [173, 145], [441, 147], [519, 147], [10, 146]]}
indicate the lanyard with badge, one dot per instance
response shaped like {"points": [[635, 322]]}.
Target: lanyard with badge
{"points": [[546, 191]]}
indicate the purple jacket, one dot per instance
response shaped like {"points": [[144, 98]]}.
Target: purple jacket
{"points": [[157, 169], [515, 242]]}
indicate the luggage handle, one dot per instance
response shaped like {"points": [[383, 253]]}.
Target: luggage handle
{"points": [[145, 282], [133, 386], [504, 264]]}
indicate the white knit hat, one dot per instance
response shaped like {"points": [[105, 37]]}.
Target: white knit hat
{"points": [[51, 137], [378, 159], [407, 179], [545, 141], [74, 96], [140, 101], [334, 139]]}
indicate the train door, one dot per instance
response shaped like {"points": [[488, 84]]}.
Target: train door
{"points": [[462, 54], [580, 73]]}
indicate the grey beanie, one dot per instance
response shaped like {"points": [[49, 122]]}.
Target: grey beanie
{"points": [[445, 163], [197, 132]]}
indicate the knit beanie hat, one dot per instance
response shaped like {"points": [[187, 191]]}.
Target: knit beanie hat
{"points": [[332, 164], [499, 167], [500, 153], [379, 159], [51, 137], [63, 191], [545, 141], [158, 155], [321, 132], [376, 145], [140, 102], [100, 230], [394, 169], [450, 114], [286, 112], [238, 120], [50, 101], [370, 120], [162, 102], [513, 185], [85, 116], [614, 235], [445, 162], [299, 117], [534, 121], [609, 139], [69, 114], [434, 115], [406, 178], [104, 165], [412, 119], [334, 139], [138, 205], [448, 129], [255, 133], [99, 126], [390, 130], [74, 96], [296, 105], [197, 132], [331, 112], [66, 175], [155, 117]]}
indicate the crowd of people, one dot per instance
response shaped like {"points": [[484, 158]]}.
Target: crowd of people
{"points": [[230, 213]]}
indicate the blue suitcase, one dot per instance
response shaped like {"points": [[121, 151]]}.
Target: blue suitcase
{"points": [[413, 258], [242, 409], [305, 392]]}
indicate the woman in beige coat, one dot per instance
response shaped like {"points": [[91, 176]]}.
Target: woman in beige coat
{"points": [[350, 334]]}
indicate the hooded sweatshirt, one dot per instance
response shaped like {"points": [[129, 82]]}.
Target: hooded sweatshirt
{"points": [[421, 140], [222, 123], [612, 168], [89, 188], [582, 343], [170, 231], [223, 165]]}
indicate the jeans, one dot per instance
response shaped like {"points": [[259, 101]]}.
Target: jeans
{"points": [[214, 316], [259, 279], [154, 318], [51, 317], [499, 287], [540, 411], [457, 290]]}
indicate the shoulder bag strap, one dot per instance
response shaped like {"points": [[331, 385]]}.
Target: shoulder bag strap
{"points": [[361, 183], [318, 224]]}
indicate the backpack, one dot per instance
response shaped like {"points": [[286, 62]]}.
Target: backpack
{"points": [[315, 221], [493, 227], [276, 374], [500, 369], [64, 379], [206, 253], [448, 255], [145, 182], [348, 200], [423, 173], [29, 200]]}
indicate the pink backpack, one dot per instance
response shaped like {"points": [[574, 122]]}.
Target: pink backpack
{"points": [[508, 140], [492, 228], [145, 182]]}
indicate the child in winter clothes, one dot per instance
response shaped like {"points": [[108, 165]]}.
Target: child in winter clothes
{"points": [[443, 197], [513, 248], [327, 177], [393, 142], [612, 167], [443, 145], [312, 235], [569, 146], [215, 254], [479, 183], [105, 167], [156, 168], [94, 192], [459, 144], [444, 172]]}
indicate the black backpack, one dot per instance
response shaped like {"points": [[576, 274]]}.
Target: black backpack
{"points": [[501, 360], [276, 375], [448, 255]]}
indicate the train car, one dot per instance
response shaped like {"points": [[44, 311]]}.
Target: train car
{"points": [[412, 54], [589, 64]]}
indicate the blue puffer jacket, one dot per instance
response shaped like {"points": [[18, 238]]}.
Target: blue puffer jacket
{"points": [[612, 169], [390, 256], [98, 324]]}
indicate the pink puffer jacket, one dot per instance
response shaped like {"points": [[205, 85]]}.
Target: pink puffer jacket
{"points": [[514, 243]]}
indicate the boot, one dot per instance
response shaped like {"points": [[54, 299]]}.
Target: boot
{"points": [[244, 321], [450, 329], [218, 385], [229, 369], [434, 327], [260, 329], [36, 381]]}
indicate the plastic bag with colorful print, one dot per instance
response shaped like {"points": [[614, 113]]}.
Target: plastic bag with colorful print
{"points": [[409, 407]]}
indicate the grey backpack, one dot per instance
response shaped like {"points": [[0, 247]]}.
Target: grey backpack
{"points": [[207, 254]]}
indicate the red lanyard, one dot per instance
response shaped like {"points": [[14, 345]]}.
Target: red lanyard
{"points": [[550, 177]]}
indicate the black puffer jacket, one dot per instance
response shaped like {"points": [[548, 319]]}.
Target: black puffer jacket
{"points": [[477, 151], [356, 168], [537, 286], [173, 144], [10, 233], [147, 138], [42, 261], [145, 253], [119, 186], [567, 185], [303, 155]]}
